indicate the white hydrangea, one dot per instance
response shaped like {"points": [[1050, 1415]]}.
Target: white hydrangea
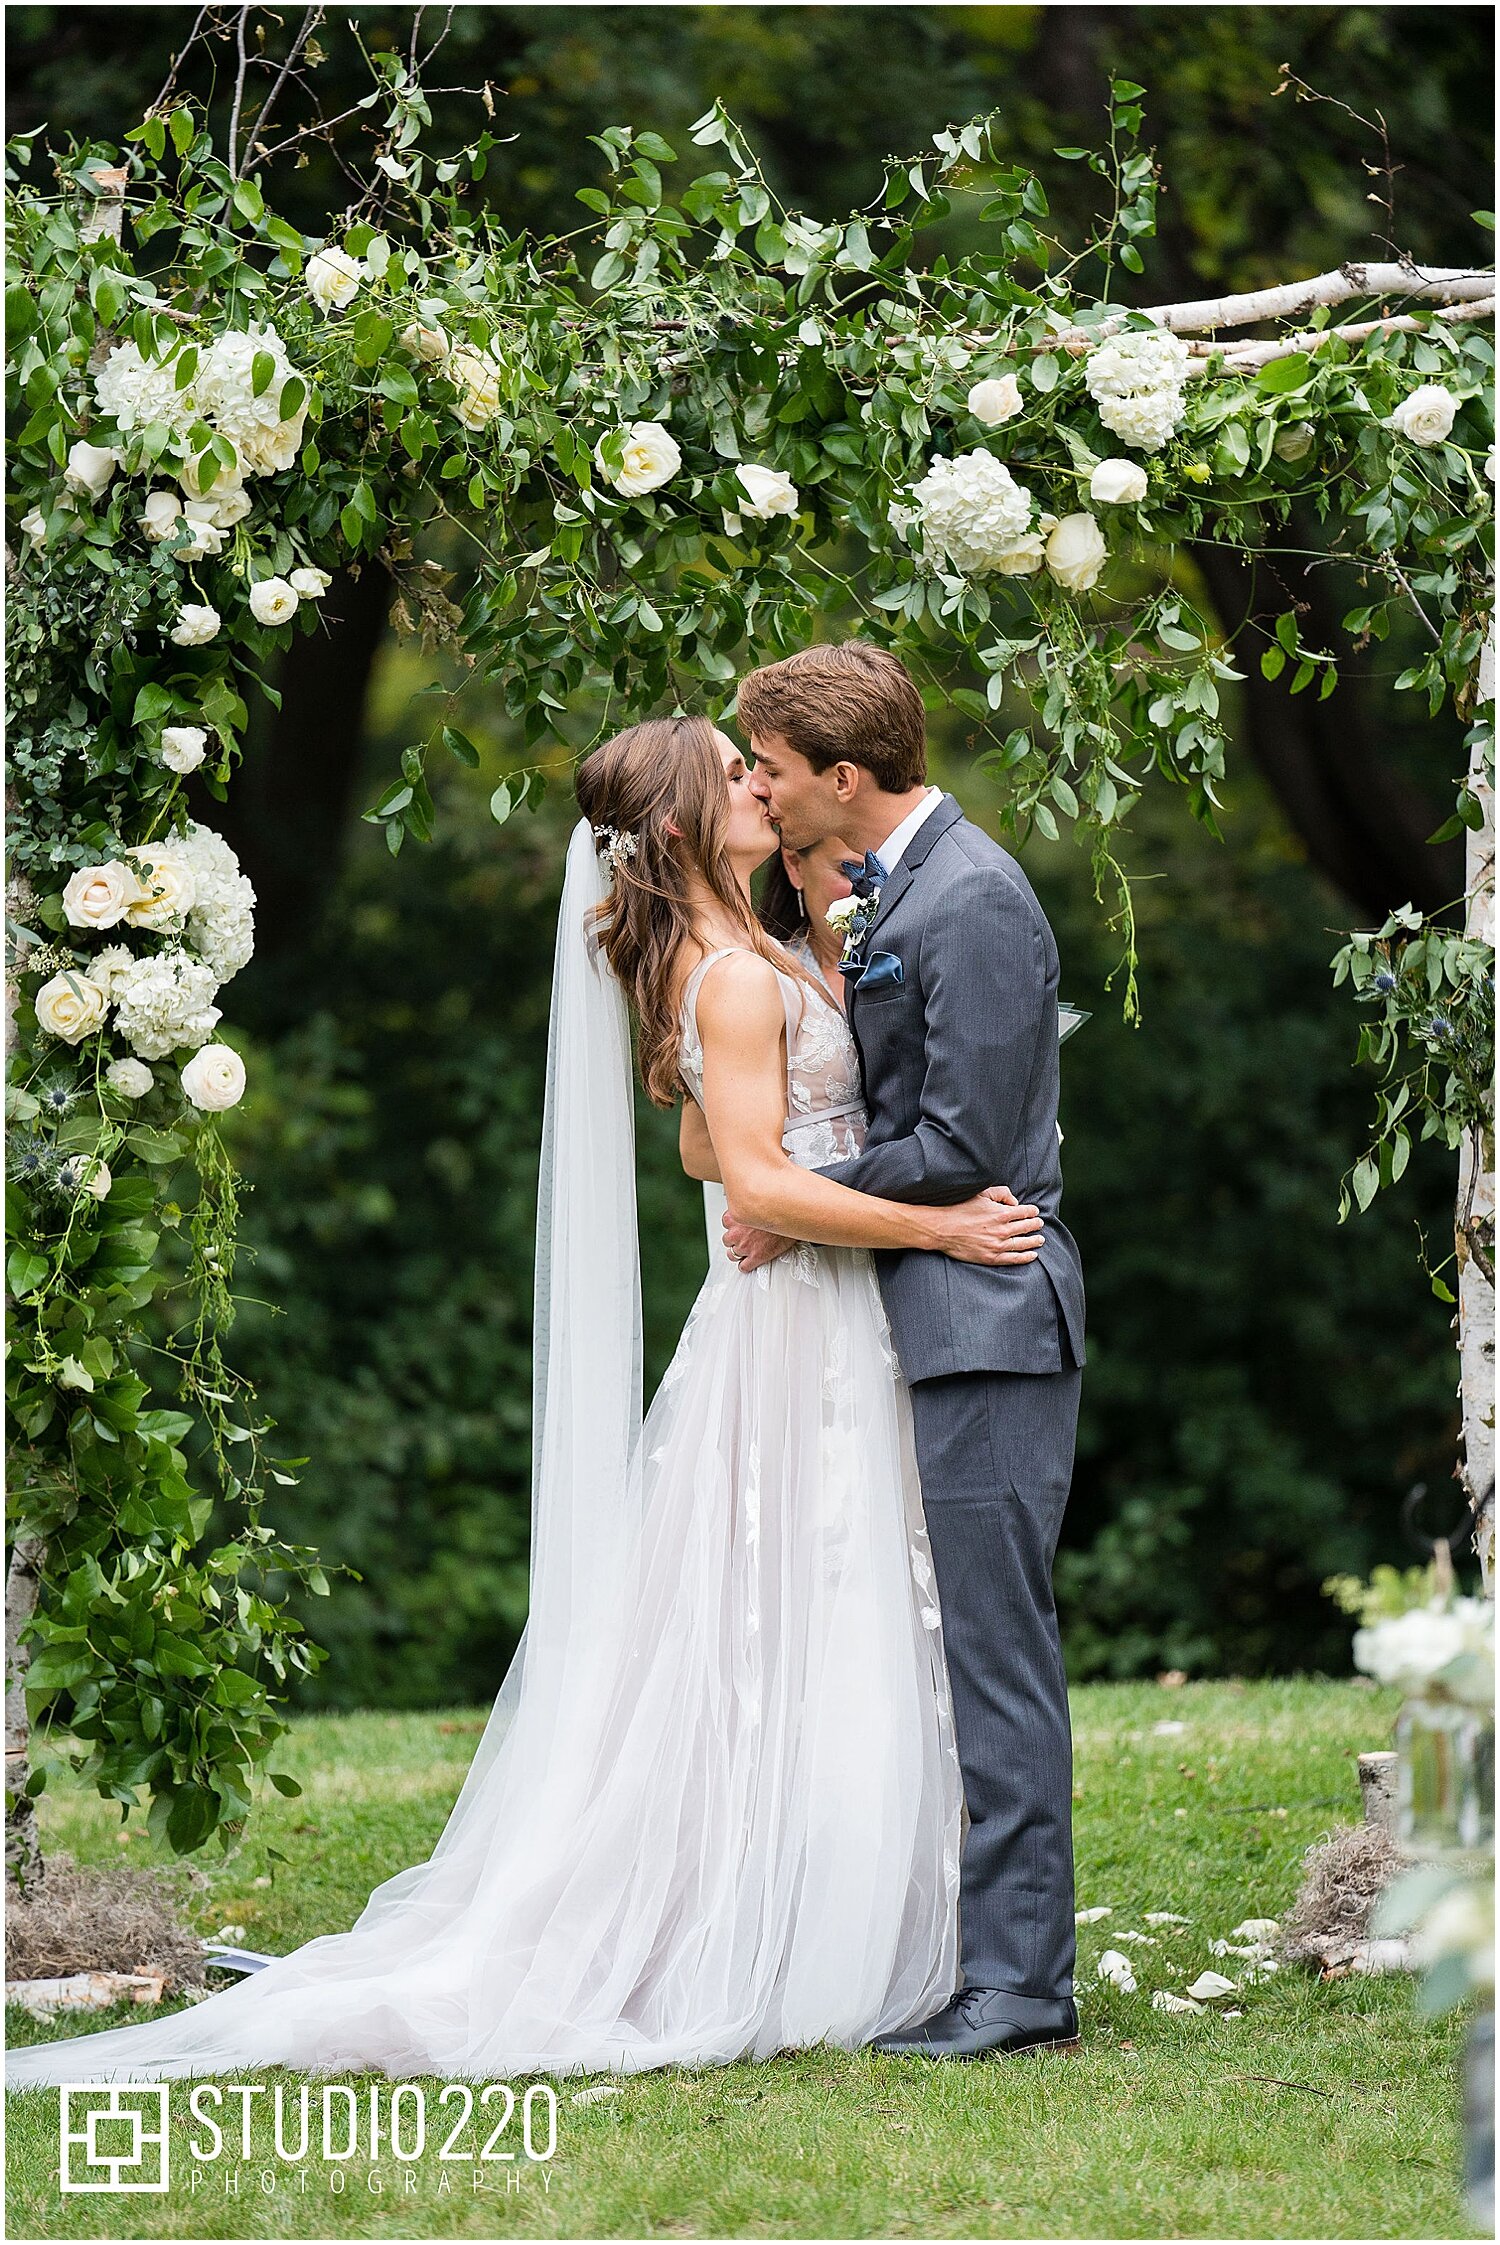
{"points": [[138, 392], [165, 1002], [973, 512], [225, 394], [221, 925], [1136, 381]]}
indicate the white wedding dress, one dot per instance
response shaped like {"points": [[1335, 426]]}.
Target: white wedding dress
{"points": [[717, 1810]]}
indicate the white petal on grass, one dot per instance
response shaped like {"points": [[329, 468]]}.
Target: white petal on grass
{"points": [[1166, 1917], [1167, 1730], [594, 2095], [1090, 1917], [1164, 2000], [1115, 1967], [1255, 1929], [1210, 1985], [1147, 1940]]}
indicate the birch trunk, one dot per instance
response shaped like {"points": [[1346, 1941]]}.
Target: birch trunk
{"points": [[1474, 1226]]}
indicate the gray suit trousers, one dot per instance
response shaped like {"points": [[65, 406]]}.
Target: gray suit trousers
{"points": [[995, 1450]]}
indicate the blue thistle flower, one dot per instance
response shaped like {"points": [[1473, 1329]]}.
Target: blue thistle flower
{"points": [[1439, 1026], [1385, 980]]}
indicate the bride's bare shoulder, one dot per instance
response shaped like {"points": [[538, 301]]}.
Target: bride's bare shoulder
{"points": [[736, 992]]}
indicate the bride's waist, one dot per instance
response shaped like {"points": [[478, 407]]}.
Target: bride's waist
{"points": [[832, 1134]]}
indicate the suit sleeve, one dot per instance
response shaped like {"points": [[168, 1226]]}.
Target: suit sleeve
{"points": [[984, 977]]}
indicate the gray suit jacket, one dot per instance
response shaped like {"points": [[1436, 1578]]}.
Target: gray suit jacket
{"points": [[960, 1065]]}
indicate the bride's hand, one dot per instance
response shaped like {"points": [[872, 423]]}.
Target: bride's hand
{"points": [[993, 1227]]}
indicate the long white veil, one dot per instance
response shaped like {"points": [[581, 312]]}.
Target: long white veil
{"points": [[393, 1987]]}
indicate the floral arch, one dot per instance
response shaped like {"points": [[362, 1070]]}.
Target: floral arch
{"points": [[696, 429]]}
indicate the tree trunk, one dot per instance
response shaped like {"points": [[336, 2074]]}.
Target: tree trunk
{"points": [[1364, 826], [23, 1846], [1474, 1227]]}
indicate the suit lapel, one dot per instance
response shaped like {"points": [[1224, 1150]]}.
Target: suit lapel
{"points": [[936, 823]]}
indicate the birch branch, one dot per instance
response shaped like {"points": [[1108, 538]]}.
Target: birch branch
{"points": [[1443, 284], [1244, 357]]}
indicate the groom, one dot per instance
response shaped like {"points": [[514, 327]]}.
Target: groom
{"points": [[952, 986]]}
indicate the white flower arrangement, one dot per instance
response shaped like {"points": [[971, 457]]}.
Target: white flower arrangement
{"points": [[165, 1001], [138, 393], [972, 512], [1136, 381]]}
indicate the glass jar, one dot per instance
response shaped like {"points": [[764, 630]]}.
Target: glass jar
{"points": [[1445, 1761]]}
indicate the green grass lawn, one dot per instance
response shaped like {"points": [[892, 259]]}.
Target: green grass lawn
{"points": [[1328, 2109]]}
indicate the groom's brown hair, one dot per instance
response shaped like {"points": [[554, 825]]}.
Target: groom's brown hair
{"points": [[851, 704]]}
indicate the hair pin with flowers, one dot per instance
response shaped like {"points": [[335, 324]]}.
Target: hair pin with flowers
{"points": [[614, 843]]}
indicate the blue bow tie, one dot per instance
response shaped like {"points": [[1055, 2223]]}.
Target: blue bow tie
{"points": [[864, 879]]}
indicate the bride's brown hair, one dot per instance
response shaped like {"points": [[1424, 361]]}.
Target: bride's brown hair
{"points": [[667, 769]]}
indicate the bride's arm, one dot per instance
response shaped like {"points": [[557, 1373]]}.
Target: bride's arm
{"points": [[695, 1146], [741, 1025]]}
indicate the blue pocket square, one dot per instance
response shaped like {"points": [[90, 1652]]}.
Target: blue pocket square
{"points": [[881, 966]]}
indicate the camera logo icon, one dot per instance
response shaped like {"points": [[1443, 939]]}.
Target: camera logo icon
{"points": [[114, 2139]]}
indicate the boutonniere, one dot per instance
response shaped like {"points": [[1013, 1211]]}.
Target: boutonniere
{"points": [[851, 917]]}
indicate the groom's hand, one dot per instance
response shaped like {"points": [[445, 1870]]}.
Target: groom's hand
{"points": [[744, 1245]]}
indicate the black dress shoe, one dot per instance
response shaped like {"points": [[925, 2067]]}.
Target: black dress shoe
{"points": [[982, 2023]]}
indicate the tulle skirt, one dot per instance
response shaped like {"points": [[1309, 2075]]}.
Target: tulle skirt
{"points": [[725, 1825]]}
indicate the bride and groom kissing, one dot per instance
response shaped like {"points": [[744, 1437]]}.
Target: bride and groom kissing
{"points": [[784, 1753]]}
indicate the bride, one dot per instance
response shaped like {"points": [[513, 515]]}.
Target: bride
{"points": [[716, 1810]]}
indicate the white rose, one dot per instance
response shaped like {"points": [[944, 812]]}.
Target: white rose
{"points": [[214, 1078], [309, 584], [477, 376], [195, 625], [1118, 483], [159, 515], [1295, 441], [207, 538], [183, 747], [89, 469], [332, 279], [99, 896], [841, 912], [999, 399], [168, 892], [651, 458], [272, 601], [1076, 552], [1023, 559], [429, 344], [70, 1006], [230, 507], [132, 1079], [768, 492], [1491, 466], [1426, 416], [99, 1179], [204, 478], [34, 525]]}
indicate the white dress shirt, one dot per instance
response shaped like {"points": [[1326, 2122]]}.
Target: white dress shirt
{"points": [[889, 852]]}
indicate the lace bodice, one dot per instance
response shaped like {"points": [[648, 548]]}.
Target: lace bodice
{"points": [[825, 1119]]}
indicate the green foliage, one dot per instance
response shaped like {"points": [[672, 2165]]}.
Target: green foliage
{"points": [[469, 395]]}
